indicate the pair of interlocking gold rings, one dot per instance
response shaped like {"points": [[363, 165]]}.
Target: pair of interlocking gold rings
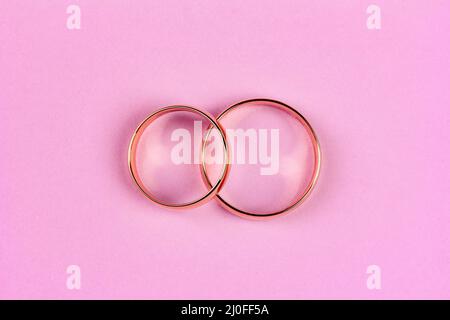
{"points": [[213, 191]]}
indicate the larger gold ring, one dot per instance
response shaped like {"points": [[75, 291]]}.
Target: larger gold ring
{"points": [[213, 189], [317, 160]]}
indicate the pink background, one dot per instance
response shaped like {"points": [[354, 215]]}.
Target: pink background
{"points": [[70, 99]]}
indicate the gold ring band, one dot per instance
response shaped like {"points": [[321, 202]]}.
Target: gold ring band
{"points": [[213, 189], [317, 160]]}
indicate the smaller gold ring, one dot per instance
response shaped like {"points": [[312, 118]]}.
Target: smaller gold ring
{"points": [[214, 189], [312, 181]]}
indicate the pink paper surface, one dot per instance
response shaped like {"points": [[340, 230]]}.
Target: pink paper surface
{"points": [[70, 100]]}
